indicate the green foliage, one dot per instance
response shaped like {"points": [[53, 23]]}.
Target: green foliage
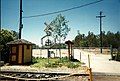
{"points": [[84, 43], [92, 40], [57, 45], [34, 60], [64, 59], [5, 37], [54, 63], [73, 65], [60, 27], [38, 62], [113, 39], [35, 46], [116, 55]]}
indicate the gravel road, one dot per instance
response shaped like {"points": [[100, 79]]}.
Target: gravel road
{"points": [[99, 62]]}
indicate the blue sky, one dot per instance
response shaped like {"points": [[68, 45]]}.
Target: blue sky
{"points": [[83, 19]]}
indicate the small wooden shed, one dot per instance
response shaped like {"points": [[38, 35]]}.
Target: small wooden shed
{"points": [[20, 51]]}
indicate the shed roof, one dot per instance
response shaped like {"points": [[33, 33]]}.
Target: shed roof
{"points": [[19, 41]]}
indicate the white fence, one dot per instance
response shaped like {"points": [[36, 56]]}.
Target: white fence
{"points": [[44, 52], [64, 52]]}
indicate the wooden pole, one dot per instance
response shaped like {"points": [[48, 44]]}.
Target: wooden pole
{"points": [[90, 74], [89, 69], [69, 51], [100, 16], [20, 24], [80, 56], [89, 60]]}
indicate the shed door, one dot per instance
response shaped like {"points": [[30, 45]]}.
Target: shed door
{"points": [[14, 54]]}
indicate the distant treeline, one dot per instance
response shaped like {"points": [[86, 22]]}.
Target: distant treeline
{"points": [[81, 40], [92, 40]]}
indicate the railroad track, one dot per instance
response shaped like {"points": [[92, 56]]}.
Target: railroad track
{"points": [[31, 75], [35, 76]]}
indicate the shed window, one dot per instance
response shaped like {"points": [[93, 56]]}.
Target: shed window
{"points": [[13, 49], [28, 46]]}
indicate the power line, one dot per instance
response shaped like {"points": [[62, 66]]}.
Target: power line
{"points": [[63, 10]]}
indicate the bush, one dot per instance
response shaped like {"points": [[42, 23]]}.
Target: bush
{"points": [[54, 62], [117, 58], [64, 59], [38, 65], [51, 65], [35, 59], [5, 53], [73, 65]]}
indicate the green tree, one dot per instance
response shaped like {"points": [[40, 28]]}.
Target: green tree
{"points": [[117, 36], [104, 39], [111, 38], [92, 40], [79, 40], [5, 37], [59, 29]]}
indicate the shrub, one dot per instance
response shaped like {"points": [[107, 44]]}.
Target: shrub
{"points": [[51, 65], [117, 58], [54, 62], [34, 60], [73, 65], [64, 59]]}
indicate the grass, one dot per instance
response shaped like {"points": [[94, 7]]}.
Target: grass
{"points": [[54, 63]]}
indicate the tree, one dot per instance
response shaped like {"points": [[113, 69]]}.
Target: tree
{"points": [[5, 37], [78, 39], [59, 29], [92, 41], [104, 39], [117, 36]]}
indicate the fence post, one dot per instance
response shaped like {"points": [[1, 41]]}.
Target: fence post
{"points": [[89, 69], [90, 74], [89, 60], [111, 52], [80, 56]]}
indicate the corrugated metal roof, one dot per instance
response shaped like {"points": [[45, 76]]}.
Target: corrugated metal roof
{"points": [[19, 41]]}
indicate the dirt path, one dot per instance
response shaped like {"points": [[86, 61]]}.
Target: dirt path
{"points": [[99, 63], [106, 78]]}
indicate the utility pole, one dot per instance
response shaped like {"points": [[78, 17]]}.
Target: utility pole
{"points": [[20, 24], [100, 16]]}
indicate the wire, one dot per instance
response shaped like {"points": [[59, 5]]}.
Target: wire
{"points": [[63, 10]]}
